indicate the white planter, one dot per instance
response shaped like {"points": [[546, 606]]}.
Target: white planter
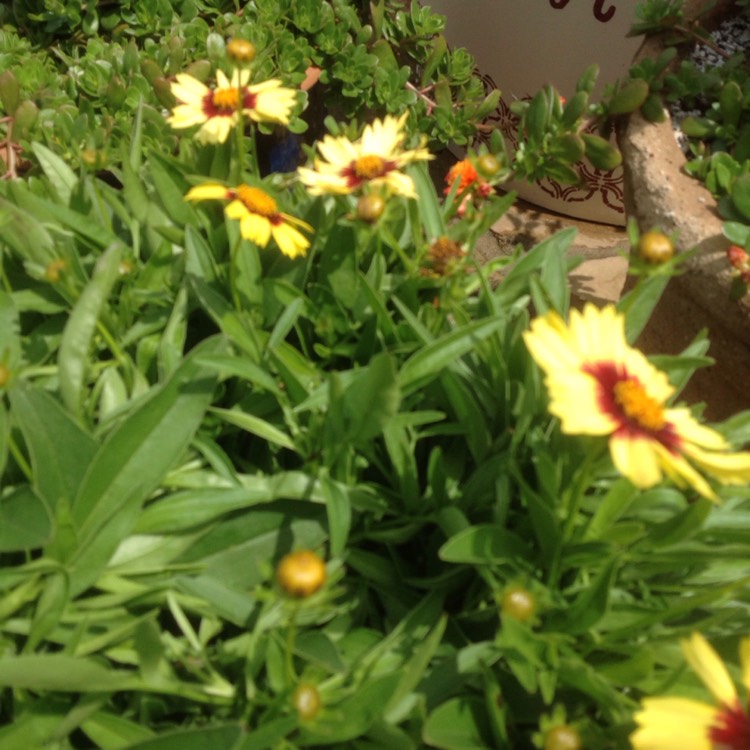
{"points": [[521, 45]]}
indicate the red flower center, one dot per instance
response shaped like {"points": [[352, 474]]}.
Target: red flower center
{"points": [[624, 398], [731, 731], [368, 167], [224, 102]]}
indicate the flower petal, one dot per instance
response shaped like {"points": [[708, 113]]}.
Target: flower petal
{"points": [[291, 242], [635, 457], [673, 724], [255, 228], [209, 191], [706, 663]]}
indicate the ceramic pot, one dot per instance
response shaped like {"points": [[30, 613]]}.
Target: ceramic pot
{"points": [[521, 45], [658, 193]]}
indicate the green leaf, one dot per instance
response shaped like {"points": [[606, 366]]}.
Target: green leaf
{"points": [[430, 213], [339, 515], [60, 449], [429, 361], [62, 177], [25, 521], [371, 399], [61, 672], [412, 673], [134, 459], [458, 724], [113, 732], [483, 545], [224, 737], [10, 332], [741, 194], [589, 606], [25, 234], [73, 356], [255, 426]]}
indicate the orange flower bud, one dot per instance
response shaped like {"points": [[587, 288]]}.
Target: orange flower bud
{"points": [[655, 247], [241, 51], [301, 573]]}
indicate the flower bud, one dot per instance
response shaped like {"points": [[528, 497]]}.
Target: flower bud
{"points": [[655, 247], [301, 573], [488, 165], [370, 207], [306, 699], [241, 51], [518, 603], [562, 738], [738, 258]]}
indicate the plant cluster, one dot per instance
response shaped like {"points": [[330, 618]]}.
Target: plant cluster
{"points": [[718, 100], [283, 466]]}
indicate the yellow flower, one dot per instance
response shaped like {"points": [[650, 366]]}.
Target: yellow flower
{"points": [[686, 724], [258, 215], [598, 385], [217, 110], [376, 159]]}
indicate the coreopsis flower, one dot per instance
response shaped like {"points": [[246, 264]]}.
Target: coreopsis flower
{"points": [[259, 216], [217, 110], [599, 385], [685, 724], [376, 159]]}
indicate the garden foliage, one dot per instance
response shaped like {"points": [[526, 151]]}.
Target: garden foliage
{"points": [[183, 406]]}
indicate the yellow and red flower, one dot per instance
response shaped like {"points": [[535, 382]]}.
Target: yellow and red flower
{"points": [[672, 723], [375, 160], [599, 385], [259, 216], [217, 110]]}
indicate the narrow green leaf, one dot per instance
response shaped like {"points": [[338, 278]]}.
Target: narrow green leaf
{"points": [[67, 674], [430, 212], [339, 515], [413, 671], [133, 460], [73, 356], [428, 362], [255, 426]]}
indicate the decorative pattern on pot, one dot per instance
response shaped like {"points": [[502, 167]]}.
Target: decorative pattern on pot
{"points": [[521, 45]]}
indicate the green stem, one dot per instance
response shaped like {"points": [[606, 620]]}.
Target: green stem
{"points": [[291, 636], [20, 459], [572, 500]]}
